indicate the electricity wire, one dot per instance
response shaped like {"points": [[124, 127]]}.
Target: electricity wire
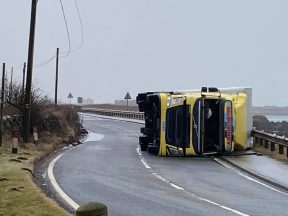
{"points": [[66, 54], [67, 30], [81, 25], [45, 63], [82, 31]]}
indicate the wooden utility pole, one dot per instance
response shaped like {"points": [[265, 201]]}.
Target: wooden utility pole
{"points": [[11, 82], [23, 82], [2, 103], [56, 79], [26, 120]]}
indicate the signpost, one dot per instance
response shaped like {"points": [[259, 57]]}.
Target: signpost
{"points": [[70, 96], [127, 97], [80, 100]]}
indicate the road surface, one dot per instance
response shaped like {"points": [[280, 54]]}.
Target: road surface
{"points": [[113, 171]]}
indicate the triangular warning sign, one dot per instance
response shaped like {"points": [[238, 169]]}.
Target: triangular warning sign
{"points": [[70, 95], [127, 97]]}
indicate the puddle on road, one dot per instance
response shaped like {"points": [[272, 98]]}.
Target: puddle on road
{"points": [[93, 137]]}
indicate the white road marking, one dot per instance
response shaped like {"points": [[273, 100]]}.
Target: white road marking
{"points": [[228, 166], [233, 210], [138, 150], [57, 188], [223, 207], [160, 177], [209, 201], [145, 163], [176, 186]]}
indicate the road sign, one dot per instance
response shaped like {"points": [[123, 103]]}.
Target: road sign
{"points": [[80, 100], [70, 95], [127, 97]]}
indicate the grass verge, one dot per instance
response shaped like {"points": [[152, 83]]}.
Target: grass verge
{"points": [[18, 193], [274, 154]]}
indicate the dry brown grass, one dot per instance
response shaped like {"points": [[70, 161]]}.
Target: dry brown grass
{"points": [[274, 154], [19, 195], [114, 107]]}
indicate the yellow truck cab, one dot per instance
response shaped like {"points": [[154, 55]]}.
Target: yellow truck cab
{"points": [[195, 123]]}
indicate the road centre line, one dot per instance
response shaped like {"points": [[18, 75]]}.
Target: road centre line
{"points": [[146, 164], [160, 177], [176, 186]]}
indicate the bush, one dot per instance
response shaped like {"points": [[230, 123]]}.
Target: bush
{"points": [[63, 121], [262, 123]]}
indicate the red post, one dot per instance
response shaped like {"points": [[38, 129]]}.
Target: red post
{"points": [[35, 135], [15, 136]]}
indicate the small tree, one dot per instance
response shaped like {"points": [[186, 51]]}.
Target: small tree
{"points": [[15, 98]]}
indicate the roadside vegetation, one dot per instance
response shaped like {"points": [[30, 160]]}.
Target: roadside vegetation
{"points": [[280, 128], [57, 126], [262, 123]]}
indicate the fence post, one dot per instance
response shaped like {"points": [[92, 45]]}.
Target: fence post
{"points": [[281, 149], [256, 140], [261, 142], [266, 144], [272, 146], [15, 135]]}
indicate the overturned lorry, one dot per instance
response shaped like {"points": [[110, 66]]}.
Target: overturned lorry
{"points": [[196, 123]]}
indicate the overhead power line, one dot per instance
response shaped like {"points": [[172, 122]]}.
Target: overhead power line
{"points": [[70, 50], [67, 29], [81, 25], [45, 62], [82, 31]]}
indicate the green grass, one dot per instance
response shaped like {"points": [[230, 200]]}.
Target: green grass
{"points": [[18, 194]]}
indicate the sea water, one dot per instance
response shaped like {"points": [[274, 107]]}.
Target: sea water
{"points": [[275, 118]]}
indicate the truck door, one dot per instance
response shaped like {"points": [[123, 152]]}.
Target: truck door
{"points": [[212, 130]]}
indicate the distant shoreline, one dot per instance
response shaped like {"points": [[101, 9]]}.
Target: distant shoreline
{"points": [[277, 111]]}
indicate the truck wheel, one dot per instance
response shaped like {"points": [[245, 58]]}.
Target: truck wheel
{"points": [[143, 141], [143, 130], [143, 147], [152, 150]]}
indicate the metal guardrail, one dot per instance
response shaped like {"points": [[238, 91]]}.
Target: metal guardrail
{"points": [[270, 140], [115, 113], [260, 137]]}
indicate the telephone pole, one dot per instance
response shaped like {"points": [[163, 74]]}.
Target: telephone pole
{"points": [[11, 82], [26, 120], [2, 103], [23, 82], [56, 80]]}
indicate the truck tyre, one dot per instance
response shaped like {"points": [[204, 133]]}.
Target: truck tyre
{"points": [[143, 142], [143, 147], [153, 150], [143, 130]]}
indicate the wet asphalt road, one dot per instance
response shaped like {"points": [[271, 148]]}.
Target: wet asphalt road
{"points": [[111, 171]]}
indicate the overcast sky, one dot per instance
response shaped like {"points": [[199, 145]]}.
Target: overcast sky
{"points": [[144, 45]]}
